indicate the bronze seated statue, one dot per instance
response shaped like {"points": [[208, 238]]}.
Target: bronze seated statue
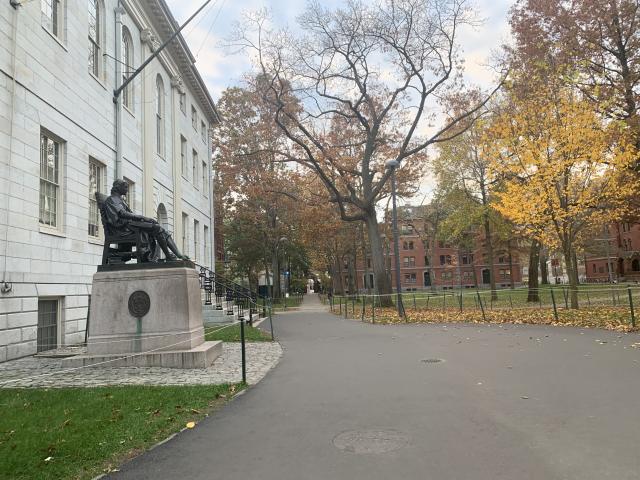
{"points": [[126, 230]]}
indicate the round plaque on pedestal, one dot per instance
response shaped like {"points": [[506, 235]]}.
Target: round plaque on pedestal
{"points": [[139, 303]]}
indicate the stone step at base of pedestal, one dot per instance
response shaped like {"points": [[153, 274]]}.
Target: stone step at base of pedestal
{"points": [[201, 356]]}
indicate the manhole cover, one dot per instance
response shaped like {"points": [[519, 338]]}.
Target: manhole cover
{"points": [[432, 360], [370, 441]]}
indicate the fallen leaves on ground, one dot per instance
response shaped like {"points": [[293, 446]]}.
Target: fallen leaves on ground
{"points": [[608, 318]]}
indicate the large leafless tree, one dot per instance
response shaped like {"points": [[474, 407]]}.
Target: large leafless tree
{"points": [[369, 78]]}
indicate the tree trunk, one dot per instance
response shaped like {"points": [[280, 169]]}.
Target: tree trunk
{"points": [[544, 268], [352, 274], [572, 273], [492, 277], [575, 264], [382, 282], [534, 260]]}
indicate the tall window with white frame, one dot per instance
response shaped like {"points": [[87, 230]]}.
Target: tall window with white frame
{"points": [[194, 168], [51, 154], [95, 32], [183, 103], [52, 16], [196, 240], [205, 245], [159, 116], [203, 132], [130, 197], [194, 118], [185, 233], [183, 156], [127, 67], [96, 185], [205, 176]]}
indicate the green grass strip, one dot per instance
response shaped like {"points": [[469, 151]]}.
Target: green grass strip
{"points": [[232, 334], [78, 433]]}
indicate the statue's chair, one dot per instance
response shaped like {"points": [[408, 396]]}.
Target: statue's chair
{"points": [[119, 248]]}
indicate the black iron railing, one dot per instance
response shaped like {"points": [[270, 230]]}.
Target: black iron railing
{"points": [[230, 296]]}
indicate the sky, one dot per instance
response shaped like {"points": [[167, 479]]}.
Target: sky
{"points": [[207, 32], [220, 69]]}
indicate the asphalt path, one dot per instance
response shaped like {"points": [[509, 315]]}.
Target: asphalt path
{"points": [[506, 402]]}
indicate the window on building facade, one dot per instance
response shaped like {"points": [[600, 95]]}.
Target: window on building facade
{"points": [[194, 168], [183, 156], [448, 258], [159, 115], [405, 246], [96, 184], [127, 68], [203, 132], [194, 118], [95, 36], [205, 244], [368, 262], [52, 16], [196, 240], [442, 259], [205, 177], [130, 197], [183, 103], [185, 233], [594, 268], [426, 260], [410, 278], [47, 334], [50, 180], [409, 261]]}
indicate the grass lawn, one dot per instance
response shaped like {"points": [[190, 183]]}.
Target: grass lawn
{"points": [[232, 334], [78, 433]]}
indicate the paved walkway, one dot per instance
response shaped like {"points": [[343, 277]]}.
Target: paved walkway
{"points": [[227, 368], [357, 401]]}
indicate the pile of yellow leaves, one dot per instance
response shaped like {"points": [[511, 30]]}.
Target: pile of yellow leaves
{"points": [[608, 318]]}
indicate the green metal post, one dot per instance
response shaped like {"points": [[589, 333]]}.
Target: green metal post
{"points": [[553, 301], [633, 314], [484, 318]]}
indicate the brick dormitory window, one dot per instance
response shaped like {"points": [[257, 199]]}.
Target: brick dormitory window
{"points": [[51, 154]]}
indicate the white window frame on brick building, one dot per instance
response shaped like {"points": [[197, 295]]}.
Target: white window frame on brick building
{"points": [[51, 181], [97, 183]]}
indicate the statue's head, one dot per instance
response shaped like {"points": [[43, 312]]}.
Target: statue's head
{"points": [[120, 186]]}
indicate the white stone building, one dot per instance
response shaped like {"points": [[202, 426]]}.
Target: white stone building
{"points": [[58, 137]]}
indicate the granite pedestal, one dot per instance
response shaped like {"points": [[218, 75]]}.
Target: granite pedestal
{"points": [[162, 328]]}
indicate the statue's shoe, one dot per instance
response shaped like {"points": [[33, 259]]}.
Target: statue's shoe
{"points": [[171, 258]]}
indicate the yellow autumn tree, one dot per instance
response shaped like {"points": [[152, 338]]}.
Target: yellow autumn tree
{"points": [[565, 169]]}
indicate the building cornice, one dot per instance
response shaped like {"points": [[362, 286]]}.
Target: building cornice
{"points": [[156, 22]]}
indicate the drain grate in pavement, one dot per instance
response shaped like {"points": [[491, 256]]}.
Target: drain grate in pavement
{"points": [[432, 360], [370, 441]]}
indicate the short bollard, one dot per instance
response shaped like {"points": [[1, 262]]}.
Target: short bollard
{"points": [[484, 318], [633, 314], [553, 301], [244, 358]]}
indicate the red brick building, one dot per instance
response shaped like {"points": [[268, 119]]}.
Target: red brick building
{"points": [[425, 264], [620, 243]]}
